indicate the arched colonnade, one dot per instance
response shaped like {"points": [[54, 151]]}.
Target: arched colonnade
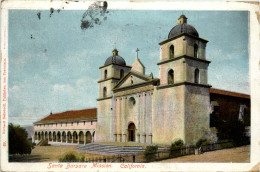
{"points": [[70, 136]]}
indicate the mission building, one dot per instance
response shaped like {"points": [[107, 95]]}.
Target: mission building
{"points": [[136, 107]]}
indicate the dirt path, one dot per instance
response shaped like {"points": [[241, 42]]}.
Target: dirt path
{"points": [[239, 154]]}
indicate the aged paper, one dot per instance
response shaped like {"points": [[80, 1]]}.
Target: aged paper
{"points": [[51, 53]]}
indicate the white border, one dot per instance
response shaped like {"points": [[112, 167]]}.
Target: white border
{"points": [[254, 51]]}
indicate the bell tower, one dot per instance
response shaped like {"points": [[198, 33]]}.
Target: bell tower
{"points": [[183, 82], [111, 73]]}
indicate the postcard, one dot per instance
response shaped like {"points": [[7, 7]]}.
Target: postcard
{"points": [[129, 85]]}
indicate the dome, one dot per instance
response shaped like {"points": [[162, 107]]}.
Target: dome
{"points": [[183, 27], [115, 59]]}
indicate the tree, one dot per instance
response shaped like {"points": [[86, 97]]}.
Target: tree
{"points": [[18, 142]]}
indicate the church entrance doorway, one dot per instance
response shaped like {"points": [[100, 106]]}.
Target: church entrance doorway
{"points": [[131, 132]]}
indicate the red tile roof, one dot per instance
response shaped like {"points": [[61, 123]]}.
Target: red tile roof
{"points": [[229, 93], [73, 115]]}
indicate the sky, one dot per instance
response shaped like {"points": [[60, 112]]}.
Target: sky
{"points": [[54, 60]]}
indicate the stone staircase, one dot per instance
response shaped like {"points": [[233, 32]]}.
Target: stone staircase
{"points": [[112, 150]]}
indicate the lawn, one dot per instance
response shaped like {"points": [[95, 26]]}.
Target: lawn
{"points": [[49, 153]]}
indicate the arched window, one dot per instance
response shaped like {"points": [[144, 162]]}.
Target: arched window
{"points": [[196, 76], [121, 73], [171, 51], [104, 91], [195, 50], [171, 77], [105, 74], [132, 82]]}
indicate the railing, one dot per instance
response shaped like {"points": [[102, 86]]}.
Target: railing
{"points": [[163, 154]]}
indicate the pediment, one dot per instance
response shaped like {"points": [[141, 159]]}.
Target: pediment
{"points": [[132, 78]]}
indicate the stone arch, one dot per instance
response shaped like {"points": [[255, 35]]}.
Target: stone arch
{"points": [[88, 137], [170, 76], [69, 137], [195, 50], [46, 135], [171, 51], [58, 136], [42, 135], [131, 132], [75, 137], [196, 75], [104, 91], [54, 136], [50, 136], [93, 135], [35, 136], [105, 74], [63, 139], [81, 137], [122, 72], [39, 136]]}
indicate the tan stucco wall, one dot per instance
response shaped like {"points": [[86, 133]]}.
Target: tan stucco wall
{"points": [[168, 115], [191, 65], [179, 73], [197, 111], [179, 48], [104, 118], [184, 46], [62, 126]]}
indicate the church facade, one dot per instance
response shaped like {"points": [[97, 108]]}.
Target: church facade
{"points": [[136, 107], [133, 106]]}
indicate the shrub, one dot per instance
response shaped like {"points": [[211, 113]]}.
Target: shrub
{"points": [[176, 147], [202, 142], [150, 153], [72, 157], [18, 142]]}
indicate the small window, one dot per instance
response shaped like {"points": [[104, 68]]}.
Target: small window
{"points": [[66, 124], [196, 51], [131, 101], [91, 122], [121, 73], [72, 124], [132, 82], [171, 52], [171, 77], [196, 76], [104, 91], [84, 122], [77, 123], [105, 74]]}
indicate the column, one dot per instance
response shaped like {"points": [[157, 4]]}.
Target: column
{"points": [[150, 138], [138, 138], [143, 118], [78, 138], [85, 138], [144, 138], [120, 138], [115, 137], [123, 116], [67, 138], [124, 137]]}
